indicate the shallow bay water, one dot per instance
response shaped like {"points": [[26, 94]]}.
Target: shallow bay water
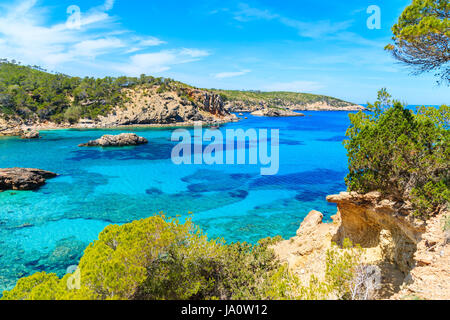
{"points": [[48, 229]]}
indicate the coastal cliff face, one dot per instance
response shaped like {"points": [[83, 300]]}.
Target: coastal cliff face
{"points": [[143, 106], [374, 222], [146, 106], [413, 255], [10, 127]]}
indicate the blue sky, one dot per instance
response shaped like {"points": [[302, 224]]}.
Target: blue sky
{"points": [[322, 47]]}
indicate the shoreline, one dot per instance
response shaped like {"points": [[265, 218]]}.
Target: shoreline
{"points": [[18, 131]]}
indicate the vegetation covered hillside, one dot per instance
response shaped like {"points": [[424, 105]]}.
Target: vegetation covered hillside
{"points": [[279, 99], [31, 93]]}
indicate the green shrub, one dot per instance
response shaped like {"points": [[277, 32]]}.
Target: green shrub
{"points": [[447, 223], [343, 265], [401, 154], [341, 268], [73, 114], [158, 258]]}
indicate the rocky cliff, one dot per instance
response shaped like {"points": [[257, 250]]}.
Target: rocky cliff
{"points": [[413, 255], [147, 106], [143, 106]]}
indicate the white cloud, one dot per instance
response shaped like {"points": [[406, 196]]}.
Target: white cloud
{"points": [[148, 62], [93, 48], [159, 61], [26, 36], [246, 13], [108, 5], [223, 75], [295, 86], [315, 30], [194, 53], [150, 42]]}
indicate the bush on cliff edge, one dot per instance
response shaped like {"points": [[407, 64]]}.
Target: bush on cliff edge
{"points": [[402, 154]]}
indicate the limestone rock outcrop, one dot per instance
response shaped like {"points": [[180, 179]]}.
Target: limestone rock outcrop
{"points": [[306, 252], [10, 127], [430, 278], [273, 112], [372, 221], [23, 178], [142, 106], [412, 254], [324, 106], [32, 134], [121, 140], [149, 107]]}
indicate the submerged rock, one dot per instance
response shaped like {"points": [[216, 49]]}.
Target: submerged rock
{"points": [[121, 140], [23, 178], [272, 112]]}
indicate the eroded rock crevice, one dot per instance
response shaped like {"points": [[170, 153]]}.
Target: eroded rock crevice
{"points": [[412, 254], [376, 223]]}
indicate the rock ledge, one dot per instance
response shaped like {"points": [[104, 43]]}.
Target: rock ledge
{"points": [[121, 140], [23, 178]]}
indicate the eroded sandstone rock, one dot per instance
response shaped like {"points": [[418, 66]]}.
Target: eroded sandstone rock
{"points": [[150, 107], [413, 255], [123, 139], [23, 178], [371, 221]]}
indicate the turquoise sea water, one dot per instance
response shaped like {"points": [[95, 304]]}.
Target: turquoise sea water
{"points": [[48, 229]]}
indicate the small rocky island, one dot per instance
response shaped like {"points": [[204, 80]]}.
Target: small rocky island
{"points": [[121, 140], [23, 178], [32, 134], [276, 112]]}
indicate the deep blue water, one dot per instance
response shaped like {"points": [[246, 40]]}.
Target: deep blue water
{"points": [[48, 229]]}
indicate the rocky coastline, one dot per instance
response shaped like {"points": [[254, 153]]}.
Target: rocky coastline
{"points": [[144, 108], [249, 107], [23, 178]]}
